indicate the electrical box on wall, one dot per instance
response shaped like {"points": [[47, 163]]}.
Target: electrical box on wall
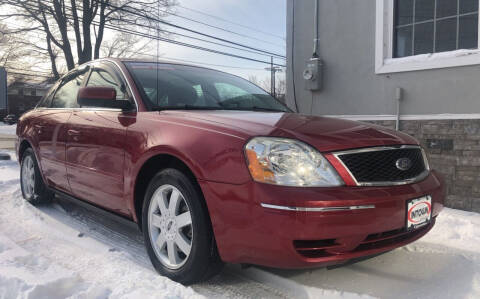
{"points": [[313, 74]]}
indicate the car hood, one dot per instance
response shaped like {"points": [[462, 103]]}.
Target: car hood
{"points": [[324, 133]]}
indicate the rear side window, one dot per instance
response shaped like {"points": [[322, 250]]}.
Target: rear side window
{"points": [[102, 78], [66, 95]]}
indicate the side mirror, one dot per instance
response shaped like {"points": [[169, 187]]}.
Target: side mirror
{"points": [[101, 97]]}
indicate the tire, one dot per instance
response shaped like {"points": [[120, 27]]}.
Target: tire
{"points": [[164, 230], [33, 188]]}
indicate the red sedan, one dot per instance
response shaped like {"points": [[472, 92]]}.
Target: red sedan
{"points": [[213, 169]]}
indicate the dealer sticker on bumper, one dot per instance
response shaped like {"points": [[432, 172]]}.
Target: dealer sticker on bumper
{"points": [[419, 212]]}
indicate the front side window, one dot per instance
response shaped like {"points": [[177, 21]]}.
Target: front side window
{"points": [[66, 95], [102, 78], [47, 98], [432, 26], [169, 86]]}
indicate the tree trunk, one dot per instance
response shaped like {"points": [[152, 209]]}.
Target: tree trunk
{"points": [[53, 58], [101, 29], [76, 27], [63, 28], [87, 39]]}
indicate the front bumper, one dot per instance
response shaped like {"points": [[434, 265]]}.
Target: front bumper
{"points": [[247, 232]]}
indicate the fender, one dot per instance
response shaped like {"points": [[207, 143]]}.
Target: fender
{"points": [[132, 170], [30, 140]]}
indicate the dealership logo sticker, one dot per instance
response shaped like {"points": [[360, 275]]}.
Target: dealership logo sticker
{"points": [[404, 164], [419, 212]]}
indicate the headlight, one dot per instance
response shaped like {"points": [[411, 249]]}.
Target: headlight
{"points": [[289, 162]]}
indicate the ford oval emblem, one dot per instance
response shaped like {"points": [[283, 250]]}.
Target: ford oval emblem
{"points": [[404, 164]]}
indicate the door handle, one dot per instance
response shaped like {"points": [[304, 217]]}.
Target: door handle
{"points": [[73, 132], [39, 128]]}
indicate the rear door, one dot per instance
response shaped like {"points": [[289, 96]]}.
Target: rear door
{"points": [[51, 128], [96, 146]]}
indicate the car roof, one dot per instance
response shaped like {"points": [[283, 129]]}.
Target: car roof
{"points": [[126, 60]]}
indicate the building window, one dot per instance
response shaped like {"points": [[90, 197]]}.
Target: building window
{"points": [[426, 30], [432, 26]]}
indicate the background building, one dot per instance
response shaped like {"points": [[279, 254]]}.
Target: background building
{"points": [[419, 59], [23, 96]]}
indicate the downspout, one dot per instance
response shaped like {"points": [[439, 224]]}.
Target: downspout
{"points": [[398, 99], [315, 38]]}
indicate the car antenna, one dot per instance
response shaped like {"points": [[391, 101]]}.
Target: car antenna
{"points": [[158, 47]]}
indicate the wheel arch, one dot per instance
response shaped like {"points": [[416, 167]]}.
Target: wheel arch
{"points": [[149, 169], [22, 147]]}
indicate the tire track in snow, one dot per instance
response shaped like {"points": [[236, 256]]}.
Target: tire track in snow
{"points": [[231, 283]]}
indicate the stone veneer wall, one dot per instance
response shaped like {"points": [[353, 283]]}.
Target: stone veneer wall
{"points": [[453, 148]]}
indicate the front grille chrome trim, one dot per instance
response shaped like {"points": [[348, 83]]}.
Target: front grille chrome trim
{"points": [[322, 209], [418, 178], [376, 149]]}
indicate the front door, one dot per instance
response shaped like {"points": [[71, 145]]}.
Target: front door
{"points": [[51, 127], [96, 147]]}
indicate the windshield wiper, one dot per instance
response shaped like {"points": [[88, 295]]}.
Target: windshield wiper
{"points": [[256, 108], [192, 107], [185, 107]]}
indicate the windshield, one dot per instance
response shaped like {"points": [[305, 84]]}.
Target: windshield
{"points": [[170, 86]]}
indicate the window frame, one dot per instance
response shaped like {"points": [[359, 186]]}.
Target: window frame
{"points": [[384, 48]]}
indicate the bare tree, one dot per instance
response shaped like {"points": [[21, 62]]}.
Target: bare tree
{"points": [[77, 28], [280, 84], [13, 53], [8, 53], [125, 45]]}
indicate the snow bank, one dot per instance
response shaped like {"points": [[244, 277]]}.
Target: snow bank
{"points": [[7, 129], [36, 277], [456, 229]]}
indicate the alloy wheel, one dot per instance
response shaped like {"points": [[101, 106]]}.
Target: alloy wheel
{"points": [[28, 177], [170, 226]]}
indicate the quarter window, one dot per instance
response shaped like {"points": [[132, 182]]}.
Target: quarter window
{"points": [[66, 95], [431, 26], [47, 98]]}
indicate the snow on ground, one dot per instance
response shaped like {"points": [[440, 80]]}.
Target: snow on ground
{"points": [[62, 250], [7, 129], [44, 257]]}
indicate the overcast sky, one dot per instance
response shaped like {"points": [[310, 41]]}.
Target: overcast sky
{"points": [[269, 16]]}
